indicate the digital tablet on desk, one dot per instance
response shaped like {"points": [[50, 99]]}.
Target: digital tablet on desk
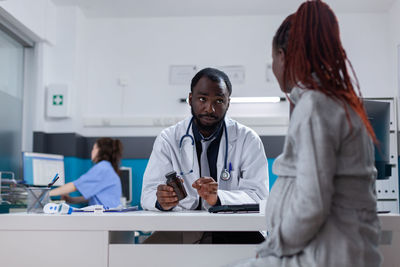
{"points": [[235, 208]]}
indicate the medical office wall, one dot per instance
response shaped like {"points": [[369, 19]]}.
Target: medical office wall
{"points": [[129, 59], [117, 67]]}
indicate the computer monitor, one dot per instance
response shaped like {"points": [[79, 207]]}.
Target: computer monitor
{"points": [[39, 169], [126, 182], [378, 113]]}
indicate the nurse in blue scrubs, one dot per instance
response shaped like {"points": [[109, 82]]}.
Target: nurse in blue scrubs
{"points": [[101, 185]]}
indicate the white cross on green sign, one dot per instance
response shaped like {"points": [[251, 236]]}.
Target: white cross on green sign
{"points": [[58, 100]]}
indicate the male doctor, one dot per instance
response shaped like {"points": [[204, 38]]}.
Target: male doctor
{"points": [[220, 161]]}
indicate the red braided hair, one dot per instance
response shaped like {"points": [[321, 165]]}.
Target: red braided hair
{"points": [[311, 41]]}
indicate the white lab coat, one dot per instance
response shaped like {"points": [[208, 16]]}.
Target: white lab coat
{"points": [[249, 175]]}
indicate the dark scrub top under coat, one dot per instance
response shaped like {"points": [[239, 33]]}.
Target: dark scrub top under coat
{"points": [[212, 155]]}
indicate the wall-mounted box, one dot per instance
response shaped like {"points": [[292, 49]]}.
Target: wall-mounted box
{"points": [[57, 103]]}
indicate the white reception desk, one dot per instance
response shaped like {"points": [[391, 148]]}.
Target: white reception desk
{"points": [[82, 239]]}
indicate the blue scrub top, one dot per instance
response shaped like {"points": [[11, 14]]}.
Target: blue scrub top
{"points": [[101, 185]]}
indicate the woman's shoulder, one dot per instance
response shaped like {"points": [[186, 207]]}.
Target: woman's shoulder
{"points": [[103, 165], [314, 104], [322, 112]]}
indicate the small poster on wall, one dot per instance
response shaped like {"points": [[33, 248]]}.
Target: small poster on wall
{"points": [[181, 74], [235, 73]]}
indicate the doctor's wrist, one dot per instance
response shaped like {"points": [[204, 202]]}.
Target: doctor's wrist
{"points": [[159, 207], [218, 203]]}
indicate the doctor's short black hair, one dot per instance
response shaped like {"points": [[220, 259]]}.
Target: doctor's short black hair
{"points": [[214, 75]]}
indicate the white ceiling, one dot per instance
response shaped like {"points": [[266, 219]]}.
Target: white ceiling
{"points": [[163, 8]]}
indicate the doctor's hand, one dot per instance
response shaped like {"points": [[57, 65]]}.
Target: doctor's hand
{"points": [[166, 196], [207, 188]]}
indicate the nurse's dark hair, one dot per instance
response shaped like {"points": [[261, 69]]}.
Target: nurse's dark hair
{"points": [[315, 58], [110, 150], [214, 75]]}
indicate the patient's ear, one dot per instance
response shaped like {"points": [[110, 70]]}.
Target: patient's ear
{"points": [[190, 98]]}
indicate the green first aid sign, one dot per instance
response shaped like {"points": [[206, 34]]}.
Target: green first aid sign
{"points": [[58, 100]]}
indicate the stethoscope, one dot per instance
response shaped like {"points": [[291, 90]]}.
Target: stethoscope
{"points": [[225, 174]]}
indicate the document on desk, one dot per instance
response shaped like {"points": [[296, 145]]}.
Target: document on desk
{"points": [[244, 208], [62, 208], [133, 208], [100, 209]]}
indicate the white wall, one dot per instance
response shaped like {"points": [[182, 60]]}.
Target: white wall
{"points": [[37, 16], [53, 62], [63, 65], [366, 39], [141, 51], [394, 32], [91, 54]]}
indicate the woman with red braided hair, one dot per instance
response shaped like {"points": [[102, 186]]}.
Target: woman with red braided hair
{"points": [[322, 209]]}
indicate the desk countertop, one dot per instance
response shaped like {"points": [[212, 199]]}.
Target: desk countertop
{"points": [[151, 221], [137, 220], [390, 221]]}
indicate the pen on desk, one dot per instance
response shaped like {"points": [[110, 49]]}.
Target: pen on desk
{"points": [[39, 199], [54, 180]]}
